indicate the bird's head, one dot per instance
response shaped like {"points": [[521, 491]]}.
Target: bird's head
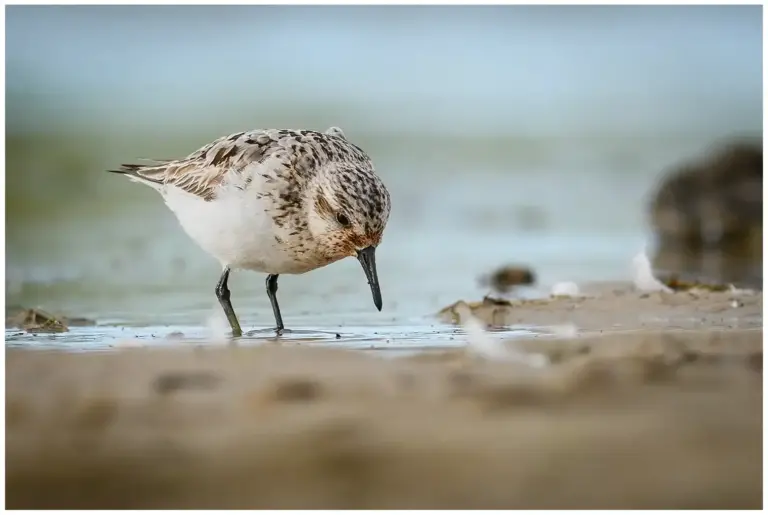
{"points": [[348, 210]]}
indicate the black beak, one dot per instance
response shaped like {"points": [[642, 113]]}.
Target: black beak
{"points": [[367, 258]]}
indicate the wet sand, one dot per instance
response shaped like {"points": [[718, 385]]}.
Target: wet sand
{"points": [[654, 402]]}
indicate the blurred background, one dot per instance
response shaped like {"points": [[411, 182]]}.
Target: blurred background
{"points": [[533, 135]]}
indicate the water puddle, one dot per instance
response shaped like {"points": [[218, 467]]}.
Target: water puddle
{"points": [[393, 339]]}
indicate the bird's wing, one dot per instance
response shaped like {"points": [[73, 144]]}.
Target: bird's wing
{"points": [[203, 171]]}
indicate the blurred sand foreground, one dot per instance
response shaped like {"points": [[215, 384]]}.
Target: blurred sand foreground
{"points": [[631, 415]]}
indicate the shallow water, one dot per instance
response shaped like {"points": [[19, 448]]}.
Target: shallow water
{"points": [[394, 340]]}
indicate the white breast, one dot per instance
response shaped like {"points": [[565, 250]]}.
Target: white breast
{"points": [[234, 228]]}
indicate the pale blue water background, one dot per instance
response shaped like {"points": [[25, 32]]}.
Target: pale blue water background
{"points": [[505, 134]]}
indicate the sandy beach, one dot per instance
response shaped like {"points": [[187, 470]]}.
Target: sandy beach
{"points": [[654, 402]]}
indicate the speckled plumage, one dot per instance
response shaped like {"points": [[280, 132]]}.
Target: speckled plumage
{"points": [[273, 200]]}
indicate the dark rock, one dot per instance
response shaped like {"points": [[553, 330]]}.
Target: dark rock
{"points": [[504, 279], [36, 321], [707, 217]]}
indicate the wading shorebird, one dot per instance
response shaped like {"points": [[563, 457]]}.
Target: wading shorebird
{"points": [[275, 201]]}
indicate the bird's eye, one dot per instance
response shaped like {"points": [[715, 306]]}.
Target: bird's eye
{"points": [[342, 219]]}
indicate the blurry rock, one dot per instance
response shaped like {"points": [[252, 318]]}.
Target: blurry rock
{"points": [[707, 202], [707, 216], [36, 321], [39, 321], [506, 278]]}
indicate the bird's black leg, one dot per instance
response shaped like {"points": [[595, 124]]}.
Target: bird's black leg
{"points": [[271, 292], [222, 292]]}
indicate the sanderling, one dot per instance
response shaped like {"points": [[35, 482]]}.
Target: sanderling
{"points": [[275, 201]]}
